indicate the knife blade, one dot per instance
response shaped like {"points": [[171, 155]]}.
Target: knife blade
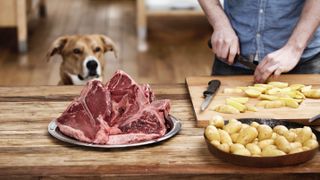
{"points": [[242, 60], [209, 93]]}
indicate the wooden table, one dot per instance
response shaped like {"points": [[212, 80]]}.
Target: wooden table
{"points": [[28, 151]]}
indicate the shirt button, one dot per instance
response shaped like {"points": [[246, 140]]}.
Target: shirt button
{"points": [[261, 11], [258, 35]]}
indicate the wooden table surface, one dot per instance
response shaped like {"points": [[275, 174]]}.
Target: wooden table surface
{"points": [[28, 151]]}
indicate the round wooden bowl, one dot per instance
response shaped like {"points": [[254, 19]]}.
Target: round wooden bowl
{"points": [[286, 160]]}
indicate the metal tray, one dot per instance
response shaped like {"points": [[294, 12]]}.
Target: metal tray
{"points": [[276, 161], [173, 122]]}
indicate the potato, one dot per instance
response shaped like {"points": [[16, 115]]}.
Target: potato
{"points": [[304, 134], [314, 136], [266, 86], [242, 152], [311, 143], [278, 84], [265, 132], [295, 145], [274, 136], [235, 104], [243, 127], [260, 89], [296, 86], [217, 121], [251, 108], [268, 97], [247, 135], [224, 147], [215, 143], [224, 137], [296, 150], [227, 109], [274, 104], [253, 148], [312, 93], [269, 152], [232, 91], [262, 144], [241, 100], [271, 146], [262, 103], [280, 129], [254, 124], [306, 88], [252, 93], [305, 148], [235, 147], [273, 91], [290, 136], [283, 144], [232, 127], [289, 102], [234, 137], [299, 95], [212, 133]]}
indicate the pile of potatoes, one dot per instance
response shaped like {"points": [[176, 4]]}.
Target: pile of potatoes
{"points": [[258, 140], [271, 95]]}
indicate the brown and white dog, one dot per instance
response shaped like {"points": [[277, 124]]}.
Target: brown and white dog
{"points": [[82, 57]]}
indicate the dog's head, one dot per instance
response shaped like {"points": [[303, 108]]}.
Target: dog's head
{"points": [[83, 56]]}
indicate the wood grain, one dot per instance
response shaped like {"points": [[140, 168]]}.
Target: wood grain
{"points": [[307, 109], [28, 151]]}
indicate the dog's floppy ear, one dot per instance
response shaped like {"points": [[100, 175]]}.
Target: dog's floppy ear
{"points": [[109, 45], [57, 47]]}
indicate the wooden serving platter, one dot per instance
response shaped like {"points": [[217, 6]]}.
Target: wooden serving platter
{"points": [[307, 109]]}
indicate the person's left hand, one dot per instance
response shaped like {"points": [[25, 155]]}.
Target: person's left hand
{"points": [[277, 62]]}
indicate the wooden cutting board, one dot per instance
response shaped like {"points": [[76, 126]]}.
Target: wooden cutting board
{"points": [[307, 109]]}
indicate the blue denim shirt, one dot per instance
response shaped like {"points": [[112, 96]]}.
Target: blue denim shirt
{"points": [[264, 26]]}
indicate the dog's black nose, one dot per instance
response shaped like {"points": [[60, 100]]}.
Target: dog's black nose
{"points": [[92, 65]]}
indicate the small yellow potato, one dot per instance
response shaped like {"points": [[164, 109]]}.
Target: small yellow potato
{"points": [[304, 134], [252, 93], [247, 135], [212, 133], [264, 143], [305, 148], [314, 136], [266, 86], [283, 144], [299, 101], [269, 152], [235, 104], [254, 124], [265, 132], [271, 146], [306, 88], [256, 155], [278, 84], [235, 147], [273, 91], [232, 91], [224, 147], [290, 136], [243, 127], [299, 95], [251, 108], [274, 136], [215, 143], [311, 143], [262, 103], [227, 109], [234, 137], [232, 127], [255, 141], [268, 97], [225, 137], [241, 100], [280, 129], [289, 102], [217, 121], [296, 150], [312, 93], [260, 89], [274, 104], [253, 148], [242, 152], [296, 86], [295, 145]]}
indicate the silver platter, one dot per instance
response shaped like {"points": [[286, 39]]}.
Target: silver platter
{"points": [[172, 121]]}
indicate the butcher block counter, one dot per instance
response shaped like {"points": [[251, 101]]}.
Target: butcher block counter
{"points": [[28, 151]]}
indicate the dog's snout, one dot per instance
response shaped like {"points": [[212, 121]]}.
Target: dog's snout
{"points": [[92, 65]]}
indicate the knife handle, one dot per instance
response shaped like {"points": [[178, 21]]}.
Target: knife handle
{"points": [[212, 88]]}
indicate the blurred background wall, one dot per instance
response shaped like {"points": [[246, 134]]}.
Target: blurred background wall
{"points": [[170, 44]]}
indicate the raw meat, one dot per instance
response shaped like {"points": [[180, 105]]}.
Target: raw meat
{"points": [[120, 112]]}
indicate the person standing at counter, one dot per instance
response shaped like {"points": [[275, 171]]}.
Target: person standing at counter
{"points": [[280, 36]]}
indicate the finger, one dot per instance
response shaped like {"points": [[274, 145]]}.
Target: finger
{"points": [[268, 72], [278, 72], [224, 50], [232, 52]]}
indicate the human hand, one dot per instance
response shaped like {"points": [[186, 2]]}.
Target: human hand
{"points": [[277, 62], [225, 43]]}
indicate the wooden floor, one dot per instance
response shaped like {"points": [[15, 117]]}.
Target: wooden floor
{"points": [[177, 45]]}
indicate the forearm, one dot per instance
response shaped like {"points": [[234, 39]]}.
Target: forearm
{"points": [[214, 12], [307, 25]]}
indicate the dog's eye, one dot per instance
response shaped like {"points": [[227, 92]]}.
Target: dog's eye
{"points": [[97, 49], [76, 51]]}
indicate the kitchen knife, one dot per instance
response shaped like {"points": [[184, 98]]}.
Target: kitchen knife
{"points": [[242, 60], [209, 93]]}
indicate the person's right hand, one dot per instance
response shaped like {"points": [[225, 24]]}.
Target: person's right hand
{"points": [[225, 44]]}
